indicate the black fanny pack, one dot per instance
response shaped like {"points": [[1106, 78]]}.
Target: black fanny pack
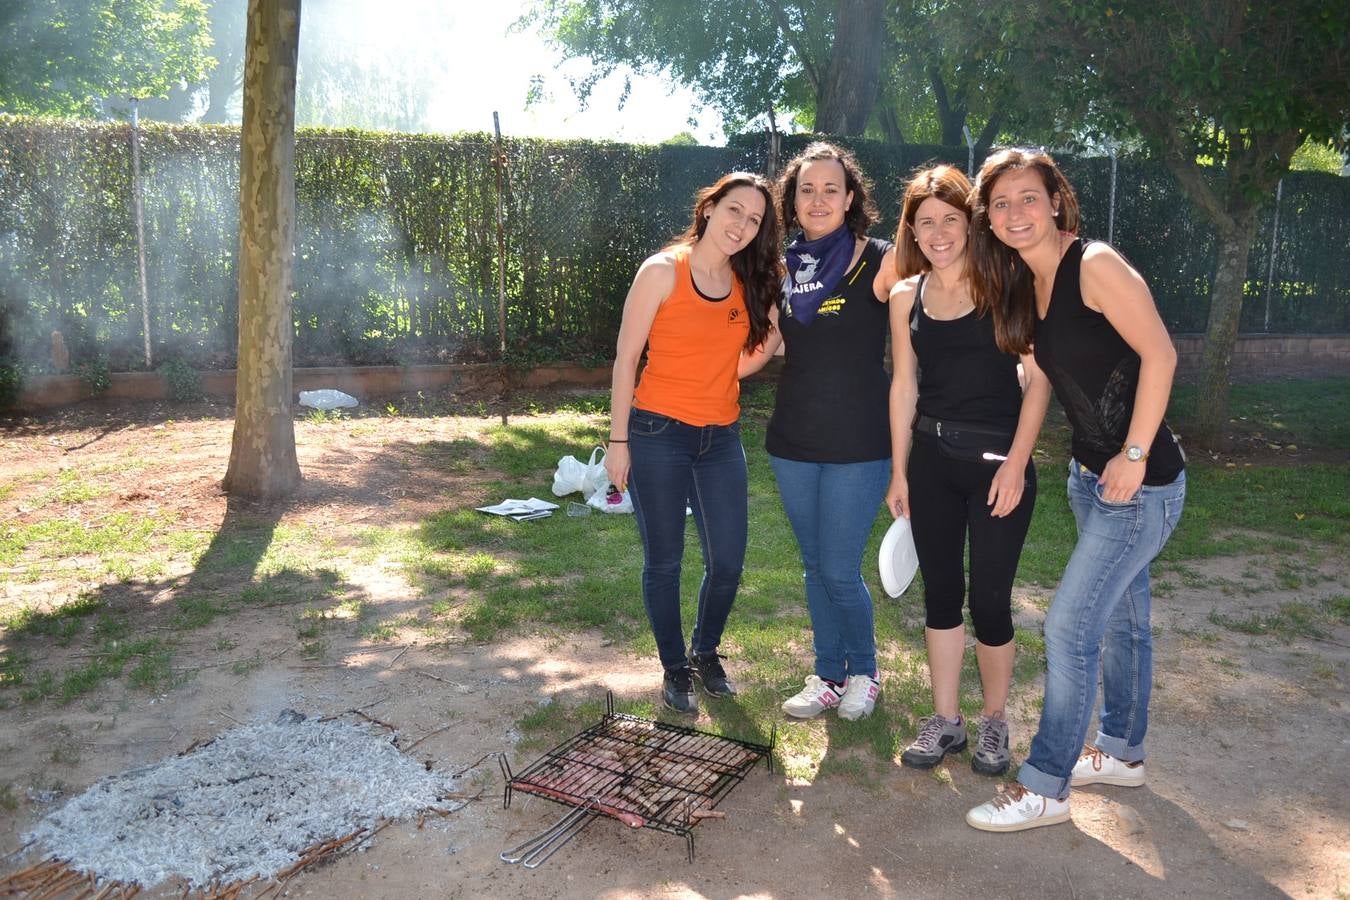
{"points": [[961, 440]]}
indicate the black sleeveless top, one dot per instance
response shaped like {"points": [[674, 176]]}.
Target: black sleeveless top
{"points": [[833, 392], [963, 376], [1095, 375]]}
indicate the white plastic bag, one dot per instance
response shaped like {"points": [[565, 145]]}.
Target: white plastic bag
{"points": [[611, 500], [328, 398], [597, 479], [589, 477], [570, 475]]}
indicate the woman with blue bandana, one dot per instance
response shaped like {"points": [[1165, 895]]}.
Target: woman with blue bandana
{"points": [[829, 439]]}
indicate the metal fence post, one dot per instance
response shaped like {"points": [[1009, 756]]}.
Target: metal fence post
{"points": [[1274, 244], [499, 165], [1111, 207], [139, 212]]}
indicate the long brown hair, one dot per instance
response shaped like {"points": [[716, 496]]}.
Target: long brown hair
{"points": [[948, 184], [758, 264], [997, 271], [862, 213]]}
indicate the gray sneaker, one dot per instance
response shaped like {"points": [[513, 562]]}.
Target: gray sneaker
{"points": [[677, 690], [937, 737], [991, 755]]}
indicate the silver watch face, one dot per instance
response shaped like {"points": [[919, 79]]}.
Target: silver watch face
{"points": [[1134, 454]]}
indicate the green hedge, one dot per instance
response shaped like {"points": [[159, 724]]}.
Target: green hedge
{"points": [[396, 256]]}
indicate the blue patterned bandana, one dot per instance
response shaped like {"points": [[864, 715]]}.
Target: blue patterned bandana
{"points": [[814, 270]]}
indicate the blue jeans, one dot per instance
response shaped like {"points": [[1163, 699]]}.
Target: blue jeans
{"points": [[832, 507], [1100, 619], [673, 464]]}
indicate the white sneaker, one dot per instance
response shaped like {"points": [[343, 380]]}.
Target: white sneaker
{"points": [[1017, 809], [860, 697], [1097, 767], [818, 696]]}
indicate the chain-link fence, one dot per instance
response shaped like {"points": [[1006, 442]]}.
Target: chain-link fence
{"points": [[396, 249]]}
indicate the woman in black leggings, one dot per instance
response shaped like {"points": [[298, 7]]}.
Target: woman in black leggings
{"points": [[967, 427]]}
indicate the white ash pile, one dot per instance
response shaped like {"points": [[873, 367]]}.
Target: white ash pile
{"points": [[247, 805]]}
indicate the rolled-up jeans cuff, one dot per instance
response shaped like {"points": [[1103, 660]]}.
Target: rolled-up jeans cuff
{"points": [[1119, 748], [1036, 781]]}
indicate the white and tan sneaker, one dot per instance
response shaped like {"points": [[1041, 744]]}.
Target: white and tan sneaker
{"points": [[1017, 809], [812, 700], [860, 697], [1098, 767]]}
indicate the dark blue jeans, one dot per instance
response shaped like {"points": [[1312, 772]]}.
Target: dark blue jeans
{"points": [[674, 464]]}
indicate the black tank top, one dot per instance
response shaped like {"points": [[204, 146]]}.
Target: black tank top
{"points": [[1095, 375], [833, 392], [963, 376]]}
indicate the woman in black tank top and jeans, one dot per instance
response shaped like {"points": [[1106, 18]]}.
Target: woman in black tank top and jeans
{"points": [[828, 439], [1098, 338], [962, 432]]}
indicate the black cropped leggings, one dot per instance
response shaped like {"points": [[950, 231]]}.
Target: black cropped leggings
{"points": [[948, 500]]}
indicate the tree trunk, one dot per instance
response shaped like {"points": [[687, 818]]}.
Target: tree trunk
{"points": [[226, 77], [1225, 311], [987, 135], [890, 125], [262, 459], [849, 90], [951, 113]]}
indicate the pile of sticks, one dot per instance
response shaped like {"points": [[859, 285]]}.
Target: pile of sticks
{"points": [[52, 878]]}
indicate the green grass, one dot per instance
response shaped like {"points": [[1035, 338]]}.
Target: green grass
{"points": [[1291, 620], [70, 486], [120, 544], [151, 658], [1305, 413]]}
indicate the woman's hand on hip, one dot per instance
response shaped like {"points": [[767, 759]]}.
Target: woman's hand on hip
{"points": [[1005, 491], [616, 465], [1121, 479]]}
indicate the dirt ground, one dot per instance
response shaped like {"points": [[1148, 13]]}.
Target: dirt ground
{"points": [[1249, 744]]}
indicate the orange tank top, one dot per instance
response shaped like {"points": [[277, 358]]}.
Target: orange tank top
{"points": [[692, 351]]}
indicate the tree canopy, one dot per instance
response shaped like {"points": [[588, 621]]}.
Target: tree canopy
{"points": [[1224, 91], [66, 58], [743, 59]]}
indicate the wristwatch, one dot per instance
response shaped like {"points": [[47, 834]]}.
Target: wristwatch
{"points": [[1134, 453]]}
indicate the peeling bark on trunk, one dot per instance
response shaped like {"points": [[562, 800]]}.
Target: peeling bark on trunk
{"points": [[262, 459], [1225, 311], [849, 91]]}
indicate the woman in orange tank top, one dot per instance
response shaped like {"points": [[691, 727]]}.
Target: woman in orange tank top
{"points": [[675, 435]]}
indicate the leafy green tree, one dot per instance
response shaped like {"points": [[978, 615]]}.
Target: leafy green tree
{"points": [[346, 78], [63, 58], [682, 139], [946, 72], [1318, 156], [1223, 90], [743, 58]]}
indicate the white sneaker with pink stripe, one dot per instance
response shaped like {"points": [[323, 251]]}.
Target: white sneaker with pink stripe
{"points": [[818, 696], [860, 697]]}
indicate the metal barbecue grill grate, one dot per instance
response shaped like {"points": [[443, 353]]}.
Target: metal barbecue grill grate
{"points": [[646, 774]]}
